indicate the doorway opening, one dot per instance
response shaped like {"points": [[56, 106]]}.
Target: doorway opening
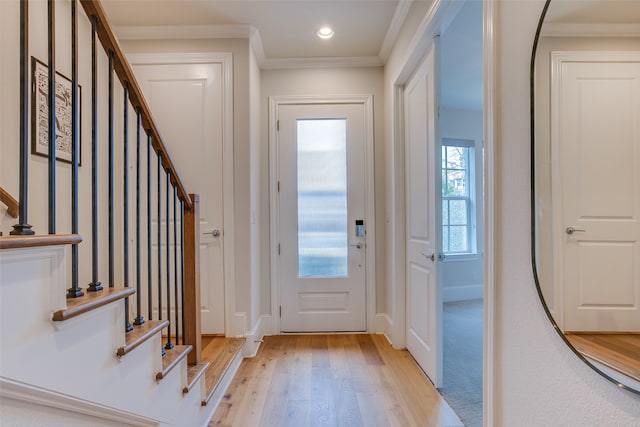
{"points": [[462, 260]]}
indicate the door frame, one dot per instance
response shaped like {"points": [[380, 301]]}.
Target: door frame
{"points": [[228, 213], [370, 274], [429, 27]]}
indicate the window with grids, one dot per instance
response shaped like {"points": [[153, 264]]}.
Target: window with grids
{"points": [[457, 196]]}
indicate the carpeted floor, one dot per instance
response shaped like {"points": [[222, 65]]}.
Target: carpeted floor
{"points": [[462, 330]]}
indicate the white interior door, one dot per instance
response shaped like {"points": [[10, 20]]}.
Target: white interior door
{"points": [[186, 103], [597, 137], [321, 217], [424, 299]]}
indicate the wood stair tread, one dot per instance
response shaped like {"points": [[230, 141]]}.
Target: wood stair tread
{"points": [[171, 359], [194, 373], [219, 353], [90, 301], [140, 334]]}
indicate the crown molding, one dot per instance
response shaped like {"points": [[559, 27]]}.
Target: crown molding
{"points": [[590, 30], [186, 32], [322, 62], [183, 32], [399, 16]]}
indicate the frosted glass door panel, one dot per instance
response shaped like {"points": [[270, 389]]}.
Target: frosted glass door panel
{"points": [[322, 198]]}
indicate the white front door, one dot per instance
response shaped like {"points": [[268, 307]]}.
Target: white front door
{"points": [[597, 138], [186, 100], [321, 217], [424, 299]]}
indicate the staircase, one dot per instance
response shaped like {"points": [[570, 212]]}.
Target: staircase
{"points": [[69, 360]]}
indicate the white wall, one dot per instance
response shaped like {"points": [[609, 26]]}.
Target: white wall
{"points": [[339, 81], [537, 379]]}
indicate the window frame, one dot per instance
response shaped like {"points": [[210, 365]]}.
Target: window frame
{"points": [[469, 198]]}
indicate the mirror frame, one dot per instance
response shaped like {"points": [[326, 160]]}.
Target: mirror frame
{"points": [[533, 210]]}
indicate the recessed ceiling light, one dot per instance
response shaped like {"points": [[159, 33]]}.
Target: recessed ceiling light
{"points": [[325, 33]]}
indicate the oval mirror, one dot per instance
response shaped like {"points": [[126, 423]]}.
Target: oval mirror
{"points": [[585, 95]]}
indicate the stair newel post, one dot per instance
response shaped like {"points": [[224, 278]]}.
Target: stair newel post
{"points": [[149, 246], [22, 228], [75, 290], [169, 344], [125, 202], [139, 320], [111, 186], [175, 259], [95, 285], [182, 265], [51, 96], [191, 307]]}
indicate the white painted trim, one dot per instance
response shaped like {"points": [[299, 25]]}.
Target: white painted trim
{"points": [[400, 14], [28, 393], [228, 228], [258, 48], [490, 66], [367, 102], [590, 30], [183, 32], [329, 62], [383, 325], [254, 338], [398, 241], [191, 32]]}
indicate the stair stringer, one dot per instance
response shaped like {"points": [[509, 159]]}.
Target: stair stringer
{"points": [[77, 357]]}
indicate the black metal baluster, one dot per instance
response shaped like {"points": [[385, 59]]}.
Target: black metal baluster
{"points": [[95, 284], [111, 173], [139, 320], [160, 240], [125, 160], [51, 16], [149, 278], [182, 263], [169, 344], [75, 290], [175, 259], [22, 228]]}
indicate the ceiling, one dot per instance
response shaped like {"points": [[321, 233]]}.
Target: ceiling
{"points": [[286, 28], [283, 33]]}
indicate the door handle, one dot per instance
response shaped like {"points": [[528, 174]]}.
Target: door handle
{"points": [[215, 232], [432, 257], [570, 230], [357, 245]]}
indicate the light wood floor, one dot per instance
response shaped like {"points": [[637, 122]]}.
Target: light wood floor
{"points": [[331, 380], [617, 351]]}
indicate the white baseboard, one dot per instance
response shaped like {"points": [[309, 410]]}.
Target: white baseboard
{"points": [[382, 324], [39, 396], [254, 338], [462, 293]]}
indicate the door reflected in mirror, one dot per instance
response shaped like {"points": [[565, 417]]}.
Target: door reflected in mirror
{"points": [[586, 148]]}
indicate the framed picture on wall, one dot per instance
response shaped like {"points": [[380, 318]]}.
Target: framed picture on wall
{"points": [[40, 112]]}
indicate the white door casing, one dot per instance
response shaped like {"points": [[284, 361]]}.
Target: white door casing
{"points": [[189, 96], [312, 303], [422, 190], [595, 126]]}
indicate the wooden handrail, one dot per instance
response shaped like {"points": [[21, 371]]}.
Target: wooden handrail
{"points": [[125, 73], [13, 206], [16, 242]]}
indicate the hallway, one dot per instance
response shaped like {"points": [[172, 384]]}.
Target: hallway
{"points": [[331, 380]]}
